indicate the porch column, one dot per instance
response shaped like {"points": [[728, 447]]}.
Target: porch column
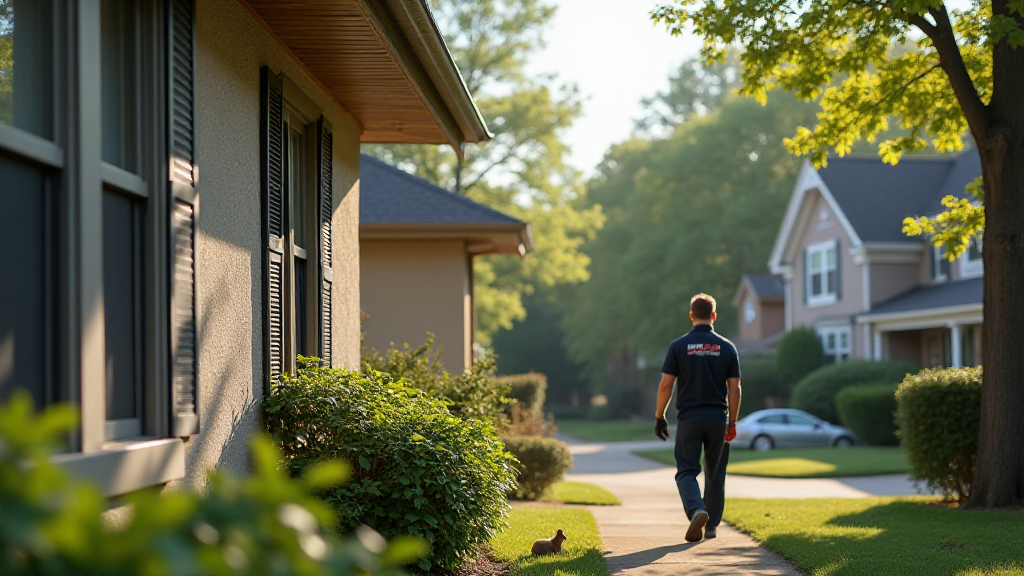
{"points": [[876, 349], [956, 349]]}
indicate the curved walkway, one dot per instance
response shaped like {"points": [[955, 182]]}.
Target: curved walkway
{"points": [[644, 536]]}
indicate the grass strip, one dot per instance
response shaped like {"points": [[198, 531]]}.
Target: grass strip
{"points": [[805, 462], [580, 493], [883, 536], [581, 553], [607, 430]]}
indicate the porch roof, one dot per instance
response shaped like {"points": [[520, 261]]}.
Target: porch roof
{"points": [[384, 61], [933, 296]]}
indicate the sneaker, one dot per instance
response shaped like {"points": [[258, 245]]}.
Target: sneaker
{"points": [[710, 533], [695, 532]]}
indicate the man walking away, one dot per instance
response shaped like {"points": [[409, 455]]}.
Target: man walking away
{"points": [[707, 369]]}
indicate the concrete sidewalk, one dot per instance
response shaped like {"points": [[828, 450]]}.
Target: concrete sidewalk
{"points": [[645, 536]]}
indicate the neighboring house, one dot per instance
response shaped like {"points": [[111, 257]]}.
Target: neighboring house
{"points": [[417, 244], [865, 287], [180, 191], [761, 302]]}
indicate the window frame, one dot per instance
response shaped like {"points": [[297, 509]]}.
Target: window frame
{"points": [[837, 353], [973, 267], [749, 310], [941, 268], [825, 297]]}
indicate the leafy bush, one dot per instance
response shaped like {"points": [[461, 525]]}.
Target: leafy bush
{"points": [[419, 470], [529, 390], [816, 393], [542, 463], [471, 395], [523, 424], [939, 418], [760, 382], [266, 524], [799, 354], [870, 411]]}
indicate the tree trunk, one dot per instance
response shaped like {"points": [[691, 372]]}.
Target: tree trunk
{"points": [[999, 479]]}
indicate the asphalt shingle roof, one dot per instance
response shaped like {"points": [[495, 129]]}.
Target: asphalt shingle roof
{"points": [[876, 197], [934, 296], [766, 285], [389, 195]]}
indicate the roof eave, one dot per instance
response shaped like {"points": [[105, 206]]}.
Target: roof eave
{"points": [[512, 238]]}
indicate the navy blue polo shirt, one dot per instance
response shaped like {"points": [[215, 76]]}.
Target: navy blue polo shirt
{"points": [[701, 360]]}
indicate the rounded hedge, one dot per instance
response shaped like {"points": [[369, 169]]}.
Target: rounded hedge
{"points": [[870, 411], [760, 382], [816, 392], [799, 354], [542, 463], [529, 390], [417, 470], [939, 418]]}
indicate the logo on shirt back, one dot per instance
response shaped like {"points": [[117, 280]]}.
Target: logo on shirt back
{"points": [[703, 349]]}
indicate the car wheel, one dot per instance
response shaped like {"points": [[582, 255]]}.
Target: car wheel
{"points": [[762, 443], [843, 442]]}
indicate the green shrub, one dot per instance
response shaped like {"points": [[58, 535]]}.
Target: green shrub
{"points": [[471, 395], [799, 354], [939, 415], [760, 382], [870, 411], [816, 393], [529, 390], [265, 524], [542, 463], [417, 470]]}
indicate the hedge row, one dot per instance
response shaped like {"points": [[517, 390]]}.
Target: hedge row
{"points": [[870, 411], [816, 392]]}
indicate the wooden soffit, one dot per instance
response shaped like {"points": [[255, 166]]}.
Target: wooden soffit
{"points": [[384, 62]]}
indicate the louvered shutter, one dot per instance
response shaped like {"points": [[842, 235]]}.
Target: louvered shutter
{"points": [[272, 178], [807, 274], [839, 271], [183, 211], [325, 211]]}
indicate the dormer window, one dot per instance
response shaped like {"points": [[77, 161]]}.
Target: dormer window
{"points": [[821, 276]]}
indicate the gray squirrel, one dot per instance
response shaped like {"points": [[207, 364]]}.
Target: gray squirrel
{"points": [[548, 545]]}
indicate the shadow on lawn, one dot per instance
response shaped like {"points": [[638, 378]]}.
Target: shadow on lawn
{"points": [[909, 538], [582, 565]]}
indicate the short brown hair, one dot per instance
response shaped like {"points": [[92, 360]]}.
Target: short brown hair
{"points": [[702, 306]]}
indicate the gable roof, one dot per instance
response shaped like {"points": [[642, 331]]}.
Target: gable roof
{"points": [[393, 202], [766, 285]]}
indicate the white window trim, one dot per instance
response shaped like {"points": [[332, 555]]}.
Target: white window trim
{"points": [[839, 350], [971, 268], [130, 465], [938, 255], [749, 311], [825, 298]]}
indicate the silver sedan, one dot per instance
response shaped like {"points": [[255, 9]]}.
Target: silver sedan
{"points": [[789, 428]]}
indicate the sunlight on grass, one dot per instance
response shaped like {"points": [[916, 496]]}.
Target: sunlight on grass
{"points": [[877, 536], [581, 552], [580, 493], [607, 430], [805, 462]]}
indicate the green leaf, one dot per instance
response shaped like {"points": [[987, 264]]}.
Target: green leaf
{"points": [[326, 474], [364, 462]]}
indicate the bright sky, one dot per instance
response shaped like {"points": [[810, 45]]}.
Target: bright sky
{"points": [[613, 52]]}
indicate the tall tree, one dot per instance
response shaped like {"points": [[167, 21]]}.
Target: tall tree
{"points": [[695, 89], [968, 72], [523, 170]]}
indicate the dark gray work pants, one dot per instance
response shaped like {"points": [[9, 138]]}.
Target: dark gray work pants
{"points": [[693, 436]]}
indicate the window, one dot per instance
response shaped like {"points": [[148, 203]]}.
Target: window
{"points": [[822, 274], [971, 263], [940, 264], [798, 420], [772, 419], [27, 70], [301, 197], [836, 344], [749, 312]]}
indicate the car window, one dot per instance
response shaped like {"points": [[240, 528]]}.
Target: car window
{"points": [[800, 420], [773, 419]]}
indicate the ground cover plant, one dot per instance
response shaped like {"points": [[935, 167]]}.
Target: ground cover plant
{"points": [[608, 430], [581, 554], [581, 493], [268, 523], [416, 468], [805, 462], [876, 536]]}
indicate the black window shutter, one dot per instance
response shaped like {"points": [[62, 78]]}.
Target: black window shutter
{"points": [[184, 209], [839, 271], [272, 181], [325, 210], [807, 274]]}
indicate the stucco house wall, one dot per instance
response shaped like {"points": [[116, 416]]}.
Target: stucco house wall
{"points": [[889, 280], [231, 46], [411, 287]]}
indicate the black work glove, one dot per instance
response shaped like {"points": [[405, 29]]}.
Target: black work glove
{"points": [[661, 428]]}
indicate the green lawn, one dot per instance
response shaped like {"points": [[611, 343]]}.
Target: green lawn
{"points": [[884, 536], [806, 462], [580, 493], [581, 552], [607, 430]]}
